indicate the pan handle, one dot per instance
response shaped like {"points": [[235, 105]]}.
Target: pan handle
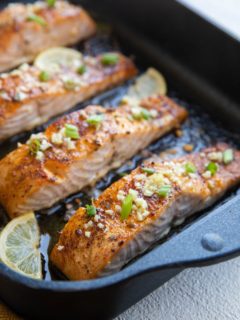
{"points": [[213, 238]]}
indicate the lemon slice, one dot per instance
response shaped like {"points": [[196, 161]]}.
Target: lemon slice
{"points": [[52, 60], [19, 246], [150, 83]]}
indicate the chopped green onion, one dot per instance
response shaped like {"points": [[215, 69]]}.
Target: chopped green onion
{"points": [[51, 3], [142, 114], [44, 76], [95, 119], [91, 210], [126, 207], [212, 167], [109, 59], [37, 19], [82, 69], [71, 131], [145, 114], [164, 191], [35, 146], [70, 85], [148, 170], [122, 174], [190, 168], [228, 156]]}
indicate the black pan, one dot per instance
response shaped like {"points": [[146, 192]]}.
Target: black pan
{"points": [[208, 238]]}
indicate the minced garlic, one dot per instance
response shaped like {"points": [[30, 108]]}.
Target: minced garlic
{"points": [[207, 174], [45, 145], [153, 184], [57, 138], [40, 156], [110, 212], [89, 224], [140, 205], [96, 217], [87, 234], [70, 144], [215, 156], [117, 208]]}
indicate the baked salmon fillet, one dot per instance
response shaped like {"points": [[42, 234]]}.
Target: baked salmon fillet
{"points": [[29, 96], [26, 30], [140, 208], [80, 148]]}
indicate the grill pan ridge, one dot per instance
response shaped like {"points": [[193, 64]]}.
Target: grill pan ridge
{"points": [[211, 237]]}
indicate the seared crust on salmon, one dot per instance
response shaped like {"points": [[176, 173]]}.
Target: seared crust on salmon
{"points": [[162, 192], [26, 30], [79, 149], [26, 101]]}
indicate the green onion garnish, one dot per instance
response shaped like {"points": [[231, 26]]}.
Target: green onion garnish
{"points": [[122, 174], [95, 119], [190, 168], [82, 69], [71, 131], [35, 146], [126, 207], [142, 114], [37, 19], [212, 167], [164, 191], [148, 170], [227, 156], [69, 85], [91, 210], [145, 114], [51, 3], [109, 59], [44, 76]]}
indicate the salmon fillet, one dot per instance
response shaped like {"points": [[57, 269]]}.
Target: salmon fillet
{"points": [[26, 101], [80, 148], [26, 30], [93, 245]]}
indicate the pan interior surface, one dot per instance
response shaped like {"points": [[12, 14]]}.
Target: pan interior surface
{"points": [[200, 130]]}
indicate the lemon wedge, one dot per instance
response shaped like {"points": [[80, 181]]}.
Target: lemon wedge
{"points": [[19, 246], [149, 83], [52, 60]]}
